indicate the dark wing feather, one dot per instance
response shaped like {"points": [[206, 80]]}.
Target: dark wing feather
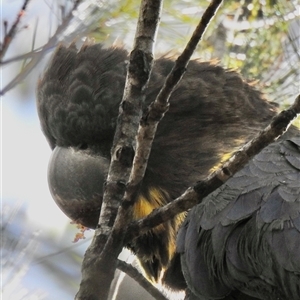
{"points": [[79, 95], [245, 236]]}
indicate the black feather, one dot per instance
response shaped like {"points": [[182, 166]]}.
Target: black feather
{"points": [[252, 243]]}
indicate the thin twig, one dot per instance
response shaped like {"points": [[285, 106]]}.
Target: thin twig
{"points": [[38, 56], [140, 279], [13, 30], [21, 57], [194, 195]]}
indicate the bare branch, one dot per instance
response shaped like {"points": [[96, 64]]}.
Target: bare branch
{"points": [[194, 195], [137, 78], [101, 268], [159, 107], [61, 31], [20, 57], [140, 279], [13, 30]]}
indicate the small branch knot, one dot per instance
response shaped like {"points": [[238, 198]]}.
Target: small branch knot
{"points": [[125, 155], [140, 67]]}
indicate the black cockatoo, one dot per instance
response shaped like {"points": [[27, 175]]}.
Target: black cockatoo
{"points": [[242, 242]]}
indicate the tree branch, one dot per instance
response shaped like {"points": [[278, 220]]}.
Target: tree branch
{"points": [[140, 279], [159, 107], [195, 194], [98, 267], [61, 31], [137, 78], [9, 36]]}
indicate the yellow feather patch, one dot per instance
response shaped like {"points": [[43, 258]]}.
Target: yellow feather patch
{"points": [[144, 206], [223, 157], [156, 199]]}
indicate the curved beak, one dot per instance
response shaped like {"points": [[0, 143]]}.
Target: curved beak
{"points": [[76, 179]]}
